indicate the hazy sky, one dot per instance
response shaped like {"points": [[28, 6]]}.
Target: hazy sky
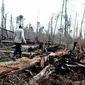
{"points": [[44, 8]]}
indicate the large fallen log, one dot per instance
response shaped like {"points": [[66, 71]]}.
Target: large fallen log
{"points": [[22, 64], [43, 75]]}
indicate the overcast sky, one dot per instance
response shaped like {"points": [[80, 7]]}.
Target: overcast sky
{"points": [[43, 8]]}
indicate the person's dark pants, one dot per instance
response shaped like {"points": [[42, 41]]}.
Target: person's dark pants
{"points": [[18, 49]]}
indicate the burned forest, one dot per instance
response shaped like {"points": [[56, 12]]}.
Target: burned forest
{"points": [[35, 54]]}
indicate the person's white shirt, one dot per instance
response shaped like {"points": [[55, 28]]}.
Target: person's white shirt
{"points": [[19, 35]]}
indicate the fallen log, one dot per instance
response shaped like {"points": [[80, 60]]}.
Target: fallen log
{"points": [[23, 63], [55, 48], [4, 73], [23, 53], [43, 75]]}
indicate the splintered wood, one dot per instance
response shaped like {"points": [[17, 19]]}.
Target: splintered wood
{"points": [[62, 52], [59, 53], [81, 45]]}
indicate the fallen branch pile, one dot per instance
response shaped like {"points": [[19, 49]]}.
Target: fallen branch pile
{"points": [[62, 67]]}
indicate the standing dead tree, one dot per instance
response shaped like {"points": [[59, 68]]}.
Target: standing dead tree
{"points": [[66, 29], [37, 30], [62, 14], [57, 17], [2, 17], [11, 23], [77, 29], [52, 29], [82, 24], [48, 34], [3, 22]]}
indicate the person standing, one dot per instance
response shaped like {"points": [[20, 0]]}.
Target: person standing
{"points": [[18, 40]]}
